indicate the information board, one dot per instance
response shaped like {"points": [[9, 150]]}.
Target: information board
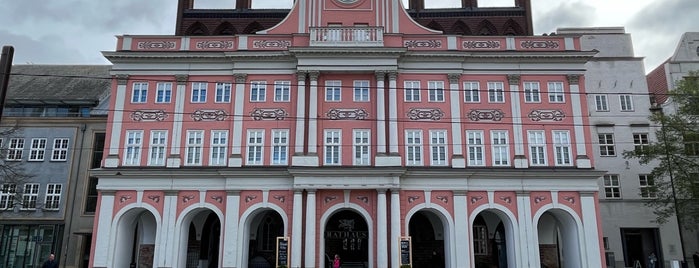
{"points": [[282, 251], [406, 254]]}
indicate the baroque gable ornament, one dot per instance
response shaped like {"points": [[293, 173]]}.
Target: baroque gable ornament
{"points": [[211, 44], [481, 44], [148, 115], [486, 115], [434, 114], [268, 114], [423, 44], [209, 115], [271, 44], [157, 45], [546, 115], [540, 44], [347, 114]]}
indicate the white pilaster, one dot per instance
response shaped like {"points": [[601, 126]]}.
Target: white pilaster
{"points": [[528, 243], [461, 229], [297, 229], [381, 230], [174, 160], [581, 159], [520, 159], [236, 159], [230, 233], [104, 230], [311, 258], [592, 233], [313, 114], [300, 114], [167, 230], [395, 228], [458, 160], [380, 113], [112, 159], [393, 112]]}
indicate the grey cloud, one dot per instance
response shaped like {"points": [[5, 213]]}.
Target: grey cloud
{"points": [[48, 50], [565, 14]]}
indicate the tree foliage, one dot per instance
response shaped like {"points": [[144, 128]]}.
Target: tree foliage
{"points": [[13, 175], [675, 154]]}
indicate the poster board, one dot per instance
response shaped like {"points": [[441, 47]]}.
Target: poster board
{"points": [[406, 251], [282, 252]]}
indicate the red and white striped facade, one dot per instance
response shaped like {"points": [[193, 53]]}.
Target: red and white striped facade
{"points": [[347, 106]]}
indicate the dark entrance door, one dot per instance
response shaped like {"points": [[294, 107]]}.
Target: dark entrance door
{"points": [[428, 241], [638, 244], [347, 235]]}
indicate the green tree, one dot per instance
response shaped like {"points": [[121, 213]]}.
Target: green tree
{"points": [[675, 179]]}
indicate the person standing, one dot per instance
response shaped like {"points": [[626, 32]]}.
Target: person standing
{"points": [[695, 257], [336, 261], [652, 260], [51, 262]]}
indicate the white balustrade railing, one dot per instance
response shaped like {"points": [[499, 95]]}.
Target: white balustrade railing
{"points": [[361, 36]]}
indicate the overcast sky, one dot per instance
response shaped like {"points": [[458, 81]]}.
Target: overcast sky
{"points": [[75, 31]]}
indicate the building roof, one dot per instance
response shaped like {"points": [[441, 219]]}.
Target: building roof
{"points": [[658, 83], [59, 84]]}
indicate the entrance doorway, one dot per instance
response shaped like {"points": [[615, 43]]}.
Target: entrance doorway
{"points": [[492, 240], [559, 241], [639, 243], [264, 228], [427, 233], [203, 240], [347, 235]]}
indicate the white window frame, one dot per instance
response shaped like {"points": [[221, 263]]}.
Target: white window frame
{"points": [[194, 148], [361, 90], [218, 154], [139, 92], [282, 91], [258, 91], [612, 186], [156, 147], [500, 147], [361, 143], [640, 141], [223, 92], [475, 147], [556, 92], [30, 195], [606, 144], [532, 92], [7, 195], [537, 147], [199, 92], [132, 147], [280, 147], [438, 148], [435, 90], [52, 199], [37, 149], [496, 92], [163, 92], [411, 91], [601, 103], [255, 147], [472, 92], [563, 152], [646, 184], [333, 91], [15, 149], [60, 149], [626, 103], [413, 147], [332, 155]]}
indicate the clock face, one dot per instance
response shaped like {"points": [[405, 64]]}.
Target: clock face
{"points": [[348, 1]]}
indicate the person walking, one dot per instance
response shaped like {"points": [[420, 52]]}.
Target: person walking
{"points": [[336, 261], [51, 262]]}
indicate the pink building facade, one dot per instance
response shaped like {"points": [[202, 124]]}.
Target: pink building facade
{"points": [[345, 130]]}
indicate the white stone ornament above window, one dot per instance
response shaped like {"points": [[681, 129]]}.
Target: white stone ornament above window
{"points": [[347, 2]]}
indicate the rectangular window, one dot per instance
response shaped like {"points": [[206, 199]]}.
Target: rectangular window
{"points": [[413, 144], [612, 188], [537, 148], [500, 147], [199, 92], [282, 91], [223, 92], [472, 92], [53, 196], [29, 196], [606, 144], [219, 148], [361, 91], [280, 147], [156, 150], [139, 93], [163, 92], [37, 149], [15, 149], [601, 103], [438, 147], [691, 144], [496, 92], [60, 149], [640, 141], [91, 196], [412, 91], [561, 146], [480, 240], [7, 195], [255, 145], [532, 93], [626, 103], [474, 144], [361, 144], [435, 90], [258, 91], [97, 149], [333, 143], [132, 148], [333, 90], [195, 145], [555, 90], [647, 186]]}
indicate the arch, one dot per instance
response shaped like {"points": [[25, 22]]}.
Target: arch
{"points": [[511, 27], [197, 28], [486, 28], [244, 229], [125, 231], [571, 232], [447, 221], [181, 230], [461, 28], [225, 28], [435, 26], [352, 207], [253, 28], [511, 228]]}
